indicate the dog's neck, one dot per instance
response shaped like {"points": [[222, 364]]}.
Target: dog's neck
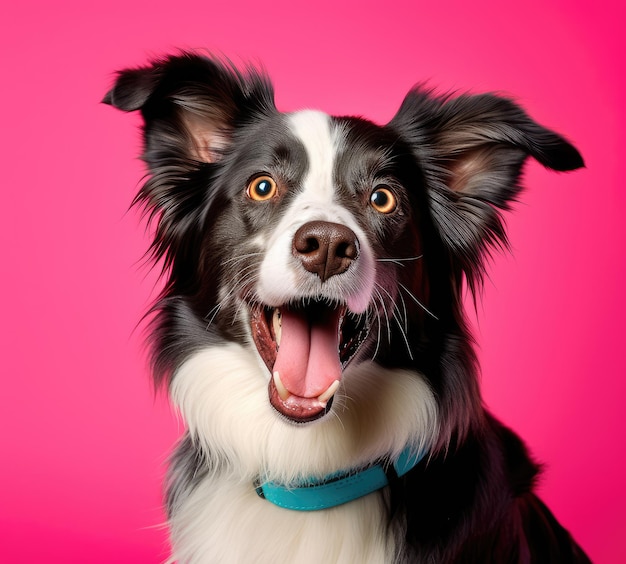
{"points": [[338, 488]]}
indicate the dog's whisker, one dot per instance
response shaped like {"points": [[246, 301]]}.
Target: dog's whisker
{"points": [[235, 290], [399, 322], [383, 305], [240, 258], [249, 297], [399, 261], [244, 271], [215, 310], [403, 332], [404, 310], [378, 332], [410, 294], [212, 314], [377, 340], [405, 339], [400, 315]]}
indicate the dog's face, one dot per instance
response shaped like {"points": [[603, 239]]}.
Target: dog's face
{"points": [[321, 242], [314, 231]]}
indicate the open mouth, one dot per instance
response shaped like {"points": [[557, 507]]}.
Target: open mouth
{"points": [[306, 347]]}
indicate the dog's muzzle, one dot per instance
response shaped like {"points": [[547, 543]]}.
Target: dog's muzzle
{"points": [[307, 342]]}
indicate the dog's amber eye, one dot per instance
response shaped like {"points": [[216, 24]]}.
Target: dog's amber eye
{"points": [[261, 188], [383, 200]]}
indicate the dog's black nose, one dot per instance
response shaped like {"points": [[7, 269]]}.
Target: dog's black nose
{"points": [[325, 248]]}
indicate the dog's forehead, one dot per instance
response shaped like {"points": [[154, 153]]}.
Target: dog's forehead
{"points": [[316, 130], [337, 148], [321, 139]]}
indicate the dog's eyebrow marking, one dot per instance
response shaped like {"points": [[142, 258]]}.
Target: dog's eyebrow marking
{"points": [[315, 132]]}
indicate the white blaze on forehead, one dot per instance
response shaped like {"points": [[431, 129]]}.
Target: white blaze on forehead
{"points": [[314, 130]]}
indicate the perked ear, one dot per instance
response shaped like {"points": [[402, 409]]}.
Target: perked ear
{"points": [[189, 104], [472, 150]]}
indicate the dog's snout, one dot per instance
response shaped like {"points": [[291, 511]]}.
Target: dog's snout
{"points": [[325, 248]]}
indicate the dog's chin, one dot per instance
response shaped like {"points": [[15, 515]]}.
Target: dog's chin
{"points": [[296, 409], [306, 347]]}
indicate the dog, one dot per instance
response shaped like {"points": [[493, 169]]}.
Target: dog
{"points": [[311, 330]]}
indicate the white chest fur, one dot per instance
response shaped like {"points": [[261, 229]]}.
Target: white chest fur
{"points": [[222, 394], [224, 521]]}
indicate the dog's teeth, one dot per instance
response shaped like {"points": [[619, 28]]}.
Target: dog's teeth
{"points": [[277, 326], [280, 388], [329, 393]]}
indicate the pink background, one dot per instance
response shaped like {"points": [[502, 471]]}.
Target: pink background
{"points": [[83, 441]]}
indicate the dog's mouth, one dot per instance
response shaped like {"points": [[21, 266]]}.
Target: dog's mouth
{"points": [[306, 347]]}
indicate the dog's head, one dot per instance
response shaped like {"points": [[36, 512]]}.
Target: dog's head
{"points": [[320, 241]]}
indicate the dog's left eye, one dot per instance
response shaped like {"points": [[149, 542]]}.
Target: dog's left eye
{"points": [[261, 188], [383, 200]]}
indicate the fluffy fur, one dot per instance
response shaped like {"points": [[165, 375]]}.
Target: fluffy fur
{"points": [[279, 232]]}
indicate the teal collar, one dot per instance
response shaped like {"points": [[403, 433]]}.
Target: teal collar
{"points": [[337, 489]]}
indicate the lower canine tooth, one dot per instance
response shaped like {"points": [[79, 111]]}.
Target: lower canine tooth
{"points": [[280, 388], [329, 393]]}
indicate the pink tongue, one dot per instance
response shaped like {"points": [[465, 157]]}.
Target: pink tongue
{"points": [[308, 358]]}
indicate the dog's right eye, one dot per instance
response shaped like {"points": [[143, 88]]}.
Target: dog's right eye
{"points": [[261, 188]]}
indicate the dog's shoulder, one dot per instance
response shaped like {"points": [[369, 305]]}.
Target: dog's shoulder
{"points": [[541, 536], [476, 504]]}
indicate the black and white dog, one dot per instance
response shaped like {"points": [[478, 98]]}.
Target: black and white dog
{"points": [[311, 329]]}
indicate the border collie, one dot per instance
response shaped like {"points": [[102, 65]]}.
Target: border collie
{"points": [[311, 329]]}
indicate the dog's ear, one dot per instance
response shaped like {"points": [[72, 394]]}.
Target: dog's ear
{"points": [[190, 105], [472, 149]]}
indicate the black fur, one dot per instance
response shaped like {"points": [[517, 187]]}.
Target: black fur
{"points": [[458, 162]]}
